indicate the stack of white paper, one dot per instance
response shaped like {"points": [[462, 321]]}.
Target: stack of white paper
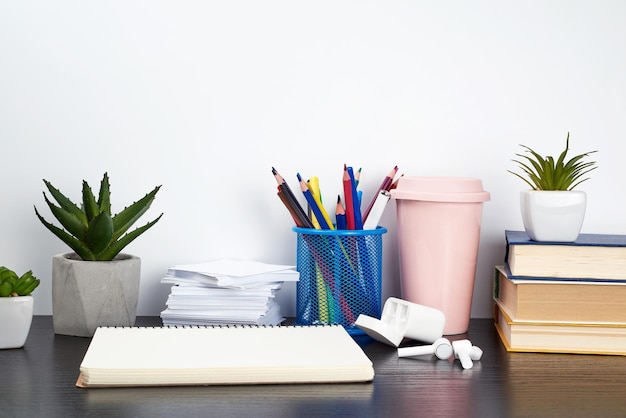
{"points": [[225, 292]]}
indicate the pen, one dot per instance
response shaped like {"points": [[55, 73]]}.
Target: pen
{"points": [[312, 203]]}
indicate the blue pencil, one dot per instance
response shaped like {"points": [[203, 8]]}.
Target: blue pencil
{"points": [[340, 215], [312, 203]]}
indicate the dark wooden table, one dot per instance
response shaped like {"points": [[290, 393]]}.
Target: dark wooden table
{"points": [[39, 381]]}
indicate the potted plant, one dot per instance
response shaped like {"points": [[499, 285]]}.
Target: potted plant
{"points": [[97, 284], [551, 209], [16, 307]]}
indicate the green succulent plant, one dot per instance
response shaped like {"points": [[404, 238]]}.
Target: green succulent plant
{"points": [[544, 173], [13, 285], [90, 230]]}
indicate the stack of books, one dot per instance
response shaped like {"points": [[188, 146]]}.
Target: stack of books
{"points": [[225, 292], [562, 297]]}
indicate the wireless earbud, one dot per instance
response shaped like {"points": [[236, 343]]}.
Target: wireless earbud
{"points": [[476, 353], [441, 348], [466, 353]]}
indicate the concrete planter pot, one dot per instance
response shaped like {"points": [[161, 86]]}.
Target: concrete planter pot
{"points": [[553, 215], [89, 294], [16, 315]]}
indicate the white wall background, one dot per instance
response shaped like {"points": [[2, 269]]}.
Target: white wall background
{"points": [[204, 97]]}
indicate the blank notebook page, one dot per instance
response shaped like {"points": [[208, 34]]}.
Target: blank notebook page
{"points": [[136, 356]]}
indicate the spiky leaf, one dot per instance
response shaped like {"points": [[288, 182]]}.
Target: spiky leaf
{"points": [[104, 197], [78, 246], [67, 219], [91, 231], [116, 247], [90, 206], [99, 233], [66, 203], [127, 217]]}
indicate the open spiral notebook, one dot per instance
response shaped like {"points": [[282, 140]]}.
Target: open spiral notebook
{"points": [[222, 355]]}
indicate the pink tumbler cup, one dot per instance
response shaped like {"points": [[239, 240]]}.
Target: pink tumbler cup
{"points": [[438, 222]]}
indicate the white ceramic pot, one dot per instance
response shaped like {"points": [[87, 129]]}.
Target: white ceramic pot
{"points": [[553, 215], [16, 315], [89, 294]]}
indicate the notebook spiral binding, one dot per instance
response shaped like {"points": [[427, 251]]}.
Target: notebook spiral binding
{"points": [[227, 326]]}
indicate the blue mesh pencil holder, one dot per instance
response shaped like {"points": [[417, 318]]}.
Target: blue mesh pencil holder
{"points": [[340, 276]]}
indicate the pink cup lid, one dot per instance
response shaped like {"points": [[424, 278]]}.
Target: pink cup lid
{"points": [[440, 189]]}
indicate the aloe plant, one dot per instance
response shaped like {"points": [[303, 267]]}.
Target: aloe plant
{"points": [[544, 173], [90, 230]]}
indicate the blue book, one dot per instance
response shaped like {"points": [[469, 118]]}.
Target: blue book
{"points": [[592, 257]]}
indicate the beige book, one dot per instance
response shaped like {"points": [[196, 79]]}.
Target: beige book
{"points": [[226, 355], [555, 337], [560, 301]]}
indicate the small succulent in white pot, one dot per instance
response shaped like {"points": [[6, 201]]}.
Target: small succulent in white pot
{"points": [[551, 209], [16, 307]]}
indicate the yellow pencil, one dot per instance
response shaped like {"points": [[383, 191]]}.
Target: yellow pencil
{"points": [[314, 188]]}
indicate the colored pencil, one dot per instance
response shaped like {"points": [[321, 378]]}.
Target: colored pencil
{"points": [[340, 214], [312, 203], [314, 188], [385, 185], [377, 210], [292, 200], [395, 182], [356, 202], [292, 212], [347, 197], [357, 177]]}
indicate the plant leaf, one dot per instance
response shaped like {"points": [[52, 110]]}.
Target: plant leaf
{"points": [[110, 252], [99, 233], [548, 174], [66, 203], [67, 219], [104, 197], [90, 207], [127, 217], [78, 247]]}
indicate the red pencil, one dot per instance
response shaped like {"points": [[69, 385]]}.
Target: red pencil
{"points": [[347, 195]]}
